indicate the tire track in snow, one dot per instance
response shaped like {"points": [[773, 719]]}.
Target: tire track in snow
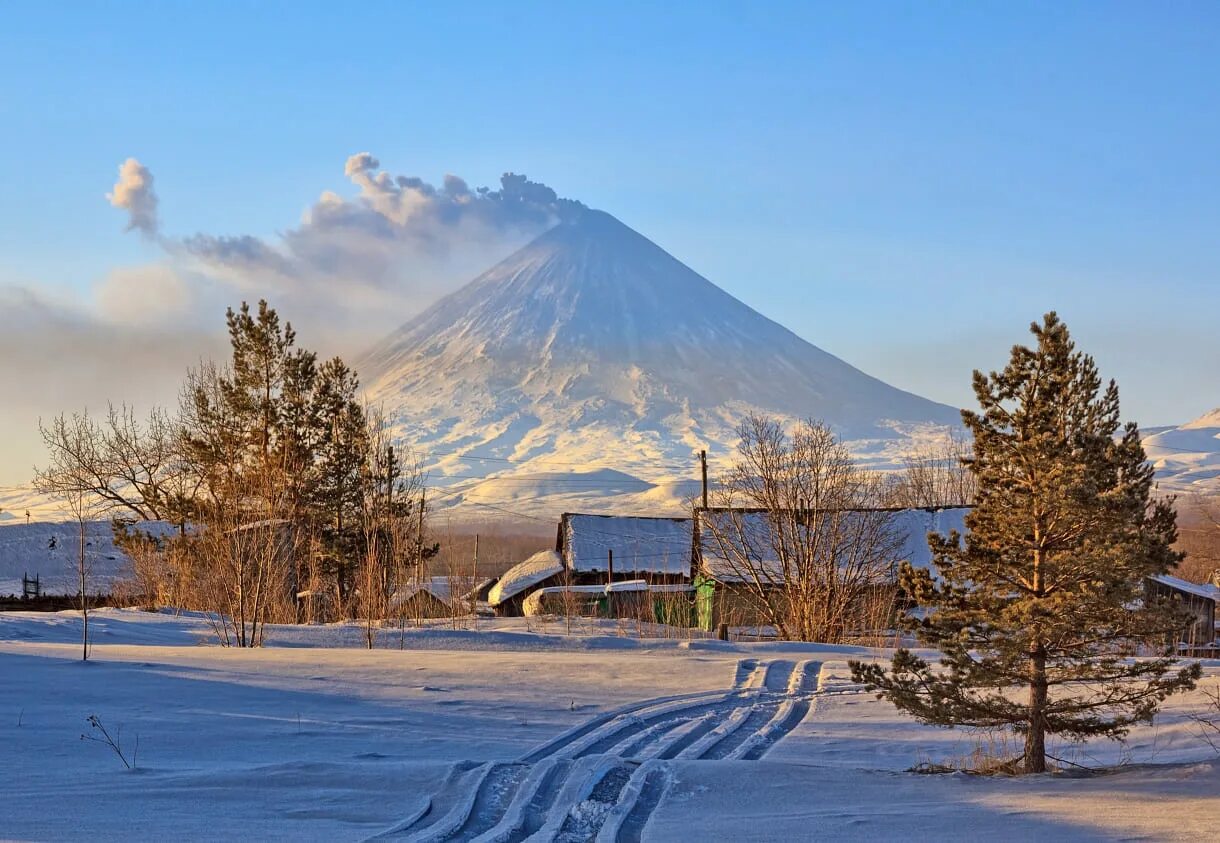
{"points": [[756, 720], [581, 733], [584, 820], [491, 801], [704, 725], [641, 797], [619, 732], [746, 668], [589, 783], [778, 676], [459, 787], [533, 802], [787, 718]]}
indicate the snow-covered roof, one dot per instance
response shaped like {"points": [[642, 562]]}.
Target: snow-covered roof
{"points": [[261, 525], [521, 576], [915, 524], [735, 539], [1210, 592], [640, 545], [438, 587], [533, 603]]}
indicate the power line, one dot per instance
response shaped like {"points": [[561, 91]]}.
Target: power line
{"points": [[542, 459]]}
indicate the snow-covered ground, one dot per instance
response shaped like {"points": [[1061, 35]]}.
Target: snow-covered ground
{"points": [[515, 729], [50, 550]]}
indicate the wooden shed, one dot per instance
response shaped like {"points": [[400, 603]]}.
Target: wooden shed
{"points": [[507, 596], [1199, 600]]}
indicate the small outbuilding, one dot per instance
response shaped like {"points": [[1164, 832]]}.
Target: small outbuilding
{"points": [[508, 593], [1197, 599], [430, 598]]}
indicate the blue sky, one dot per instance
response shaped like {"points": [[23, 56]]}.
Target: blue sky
{"points": [[907, 185]]}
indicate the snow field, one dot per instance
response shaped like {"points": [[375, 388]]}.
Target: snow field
{"points": [[507, 735]]}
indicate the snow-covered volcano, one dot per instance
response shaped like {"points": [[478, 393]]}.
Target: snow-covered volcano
{"points": [[592, 346]]}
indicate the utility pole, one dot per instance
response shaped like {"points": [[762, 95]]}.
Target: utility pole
{"points": [[474, 582], [389, 474], [609, 566], [703, 467], [419, 539]]}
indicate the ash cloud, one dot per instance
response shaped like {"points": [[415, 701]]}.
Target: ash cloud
{"points": [[396, 226], [134, 193], [366, 260], [353, 266]]}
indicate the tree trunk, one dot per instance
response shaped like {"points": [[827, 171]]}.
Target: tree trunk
{"points": [[84, 595], [1035, 738]]}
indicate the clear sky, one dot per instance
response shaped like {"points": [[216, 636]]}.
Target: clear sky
{"points": [[906, 185]]}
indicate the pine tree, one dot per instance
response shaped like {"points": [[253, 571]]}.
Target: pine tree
{"points": [[256, 416], [298, 428], [261, 354], [341, 468], [1046, 591]]}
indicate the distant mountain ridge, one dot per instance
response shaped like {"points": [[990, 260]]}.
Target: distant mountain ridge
{"points": [[1187, 458], [593, 347]]}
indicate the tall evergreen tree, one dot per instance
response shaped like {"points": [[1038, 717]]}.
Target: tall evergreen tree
{"points": [[256, 416], [299, 428], [1046, 591], [341, 467], [262, 355]]}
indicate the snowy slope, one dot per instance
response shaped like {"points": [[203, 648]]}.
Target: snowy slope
{"points": [[592, 346], [1187, 458], [50, 550]]}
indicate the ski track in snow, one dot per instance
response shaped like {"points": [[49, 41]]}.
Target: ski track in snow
{"points": [[602, 780]]}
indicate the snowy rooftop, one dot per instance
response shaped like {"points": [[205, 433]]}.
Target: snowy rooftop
{"points": [[521, 576], [534, 603], [1211, 592], [744, 535], [640, 545], [438, 587]]}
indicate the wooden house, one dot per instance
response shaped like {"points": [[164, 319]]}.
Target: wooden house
{"points": [[1198, 600], [733, 548], [613, 548]]}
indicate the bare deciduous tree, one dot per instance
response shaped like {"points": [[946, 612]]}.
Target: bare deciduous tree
{"points": [[130, 468], [936, 475], [64, 479], [83, 508], [1199, 538], [245, 557], [795, 528]]}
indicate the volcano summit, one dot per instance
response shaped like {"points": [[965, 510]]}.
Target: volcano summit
{"points": [[592, 346]]}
